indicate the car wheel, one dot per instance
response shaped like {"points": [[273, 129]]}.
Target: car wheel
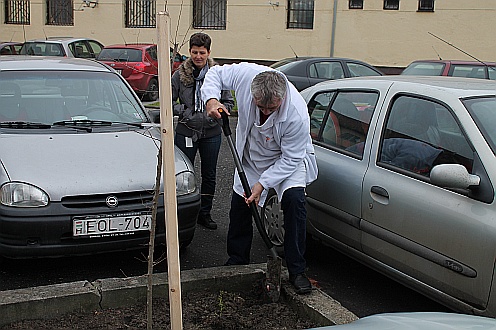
{"points": [[152, 90], [273, 219]]}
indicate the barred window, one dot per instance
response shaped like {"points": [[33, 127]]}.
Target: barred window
{"points": [[209, 14], [356, 4], [300, 14], [60, 12], [426, 5], [392, 4], [141, 13], [17, 12]]}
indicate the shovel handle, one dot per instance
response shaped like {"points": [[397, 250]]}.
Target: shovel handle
{"points": [[244, 181]]}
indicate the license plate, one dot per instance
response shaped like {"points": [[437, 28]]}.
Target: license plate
{"points": [[111, 225]]}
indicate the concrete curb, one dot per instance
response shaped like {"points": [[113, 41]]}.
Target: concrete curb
{"points": [[52, 301]]}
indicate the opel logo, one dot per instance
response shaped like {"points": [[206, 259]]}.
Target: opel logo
{"points": [[111, 201]]}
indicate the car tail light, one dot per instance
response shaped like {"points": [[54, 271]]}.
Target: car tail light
{"points": [[139, 67]]}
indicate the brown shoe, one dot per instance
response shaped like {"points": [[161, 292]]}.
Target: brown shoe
{"points": [[206, 221]]}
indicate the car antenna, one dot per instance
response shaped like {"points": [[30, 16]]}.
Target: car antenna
{"points": [[439, 56], [125, 43], [46, 38], [12, 36], [461, 50], [293, 51]]}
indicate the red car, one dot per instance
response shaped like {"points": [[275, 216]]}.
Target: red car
{"points": [[10, 48], [138, 64], [470, 69]]}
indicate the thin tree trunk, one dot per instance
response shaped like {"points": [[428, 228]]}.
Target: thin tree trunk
{"points": [[151, 244]]}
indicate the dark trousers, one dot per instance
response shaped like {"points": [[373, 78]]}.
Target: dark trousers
{"points": [[209, 152], [240, 234]]}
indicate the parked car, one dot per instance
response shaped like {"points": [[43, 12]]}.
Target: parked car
{"points": [[407, 171], [304, 72], [417, 321], [469, 69], [79, 162], [62, 46], [138, 64], [10, 48]]}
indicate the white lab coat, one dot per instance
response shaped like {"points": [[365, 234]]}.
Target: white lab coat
{"points": [[288, 132]]}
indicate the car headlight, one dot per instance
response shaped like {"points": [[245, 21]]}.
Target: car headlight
{"points": [[18, 194], [185, 183]]}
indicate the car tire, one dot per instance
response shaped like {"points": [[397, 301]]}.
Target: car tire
{"points": [[151, 93], [273, 220]]}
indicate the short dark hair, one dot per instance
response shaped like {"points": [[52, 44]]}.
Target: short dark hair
{"points": [[200, 39]]}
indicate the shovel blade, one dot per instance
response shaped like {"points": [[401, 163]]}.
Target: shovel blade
{"points": [[273, 278]]}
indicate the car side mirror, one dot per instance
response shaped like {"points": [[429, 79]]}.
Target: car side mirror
{"points": [[453, 176], [154, 115]]}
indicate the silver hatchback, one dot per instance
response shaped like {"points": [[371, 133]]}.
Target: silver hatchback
{"points": [[407, 177], [78, 157]]}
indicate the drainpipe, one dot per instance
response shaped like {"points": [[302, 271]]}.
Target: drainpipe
{"points": [[333, 32]]}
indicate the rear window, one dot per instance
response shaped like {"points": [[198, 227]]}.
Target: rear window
{"points": [[42, 49], [120, 55], [424, 69]]}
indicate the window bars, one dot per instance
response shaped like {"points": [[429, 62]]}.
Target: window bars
{"points": [[17, 12]]}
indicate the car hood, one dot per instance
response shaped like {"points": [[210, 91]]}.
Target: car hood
{"points": [[86, 163]]}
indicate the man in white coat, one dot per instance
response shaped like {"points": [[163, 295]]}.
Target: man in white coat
{"points": [[274, 145]]}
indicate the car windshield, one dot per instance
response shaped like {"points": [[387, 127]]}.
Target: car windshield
{"points": [[483, 111], [424, 69], [120, 55], [48, 97]]}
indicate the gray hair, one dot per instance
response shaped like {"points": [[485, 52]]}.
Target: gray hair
{"points": [[268, 86]]}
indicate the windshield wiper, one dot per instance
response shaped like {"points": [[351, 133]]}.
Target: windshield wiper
{"points": [[23, 124], [82, 124]]}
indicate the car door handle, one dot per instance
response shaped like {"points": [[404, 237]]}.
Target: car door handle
{"points": [[379, 191]]}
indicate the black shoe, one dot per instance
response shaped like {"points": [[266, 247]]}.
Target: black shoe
{"points": [[301, 283], [206, 221]]}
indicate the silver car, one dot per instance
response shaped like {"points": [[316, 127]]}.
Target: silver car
{"points": [[78, 157], [407, 172], [62, 46]]}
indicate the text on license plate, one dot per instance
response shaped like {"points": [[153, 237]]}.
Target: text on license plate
{"points": [[119, 71], [111, 225]]}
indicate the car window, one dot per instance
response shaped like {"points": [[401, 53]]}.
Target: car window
{"points": [[5, 50], [469, 71], [482, 111], [152, 51], [492, 72], [96, 48], [424, 69], [42, 49], [120, 55], [359, 70], [81, 49], [317, 108], [326, 70], [346, 121], [420, 134]]}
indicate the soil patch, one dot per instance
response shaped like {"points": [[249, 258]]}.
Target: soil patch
{"points": [[201, 310]]}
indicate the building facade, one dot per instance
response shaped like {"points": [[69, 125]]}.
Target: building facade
{"points": [[385, 33]]}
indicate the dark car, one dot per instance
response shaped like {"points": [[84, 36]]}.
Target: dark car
{"points": [[62, 46], [469, 69], [304, 72], [10, 48]]}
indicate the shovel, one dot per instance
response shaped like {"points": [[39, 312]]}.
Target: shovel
{"points": [[272, 284]]}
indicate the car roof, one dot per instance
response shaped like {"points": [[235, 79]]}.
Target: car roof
{"points": [[482, 63], [27, 63], [58, 40], [136, 45], [464, 86]]}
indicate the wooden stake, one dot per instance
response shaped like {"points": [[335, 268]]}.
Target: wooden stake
{"points": [[170, 202]]}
